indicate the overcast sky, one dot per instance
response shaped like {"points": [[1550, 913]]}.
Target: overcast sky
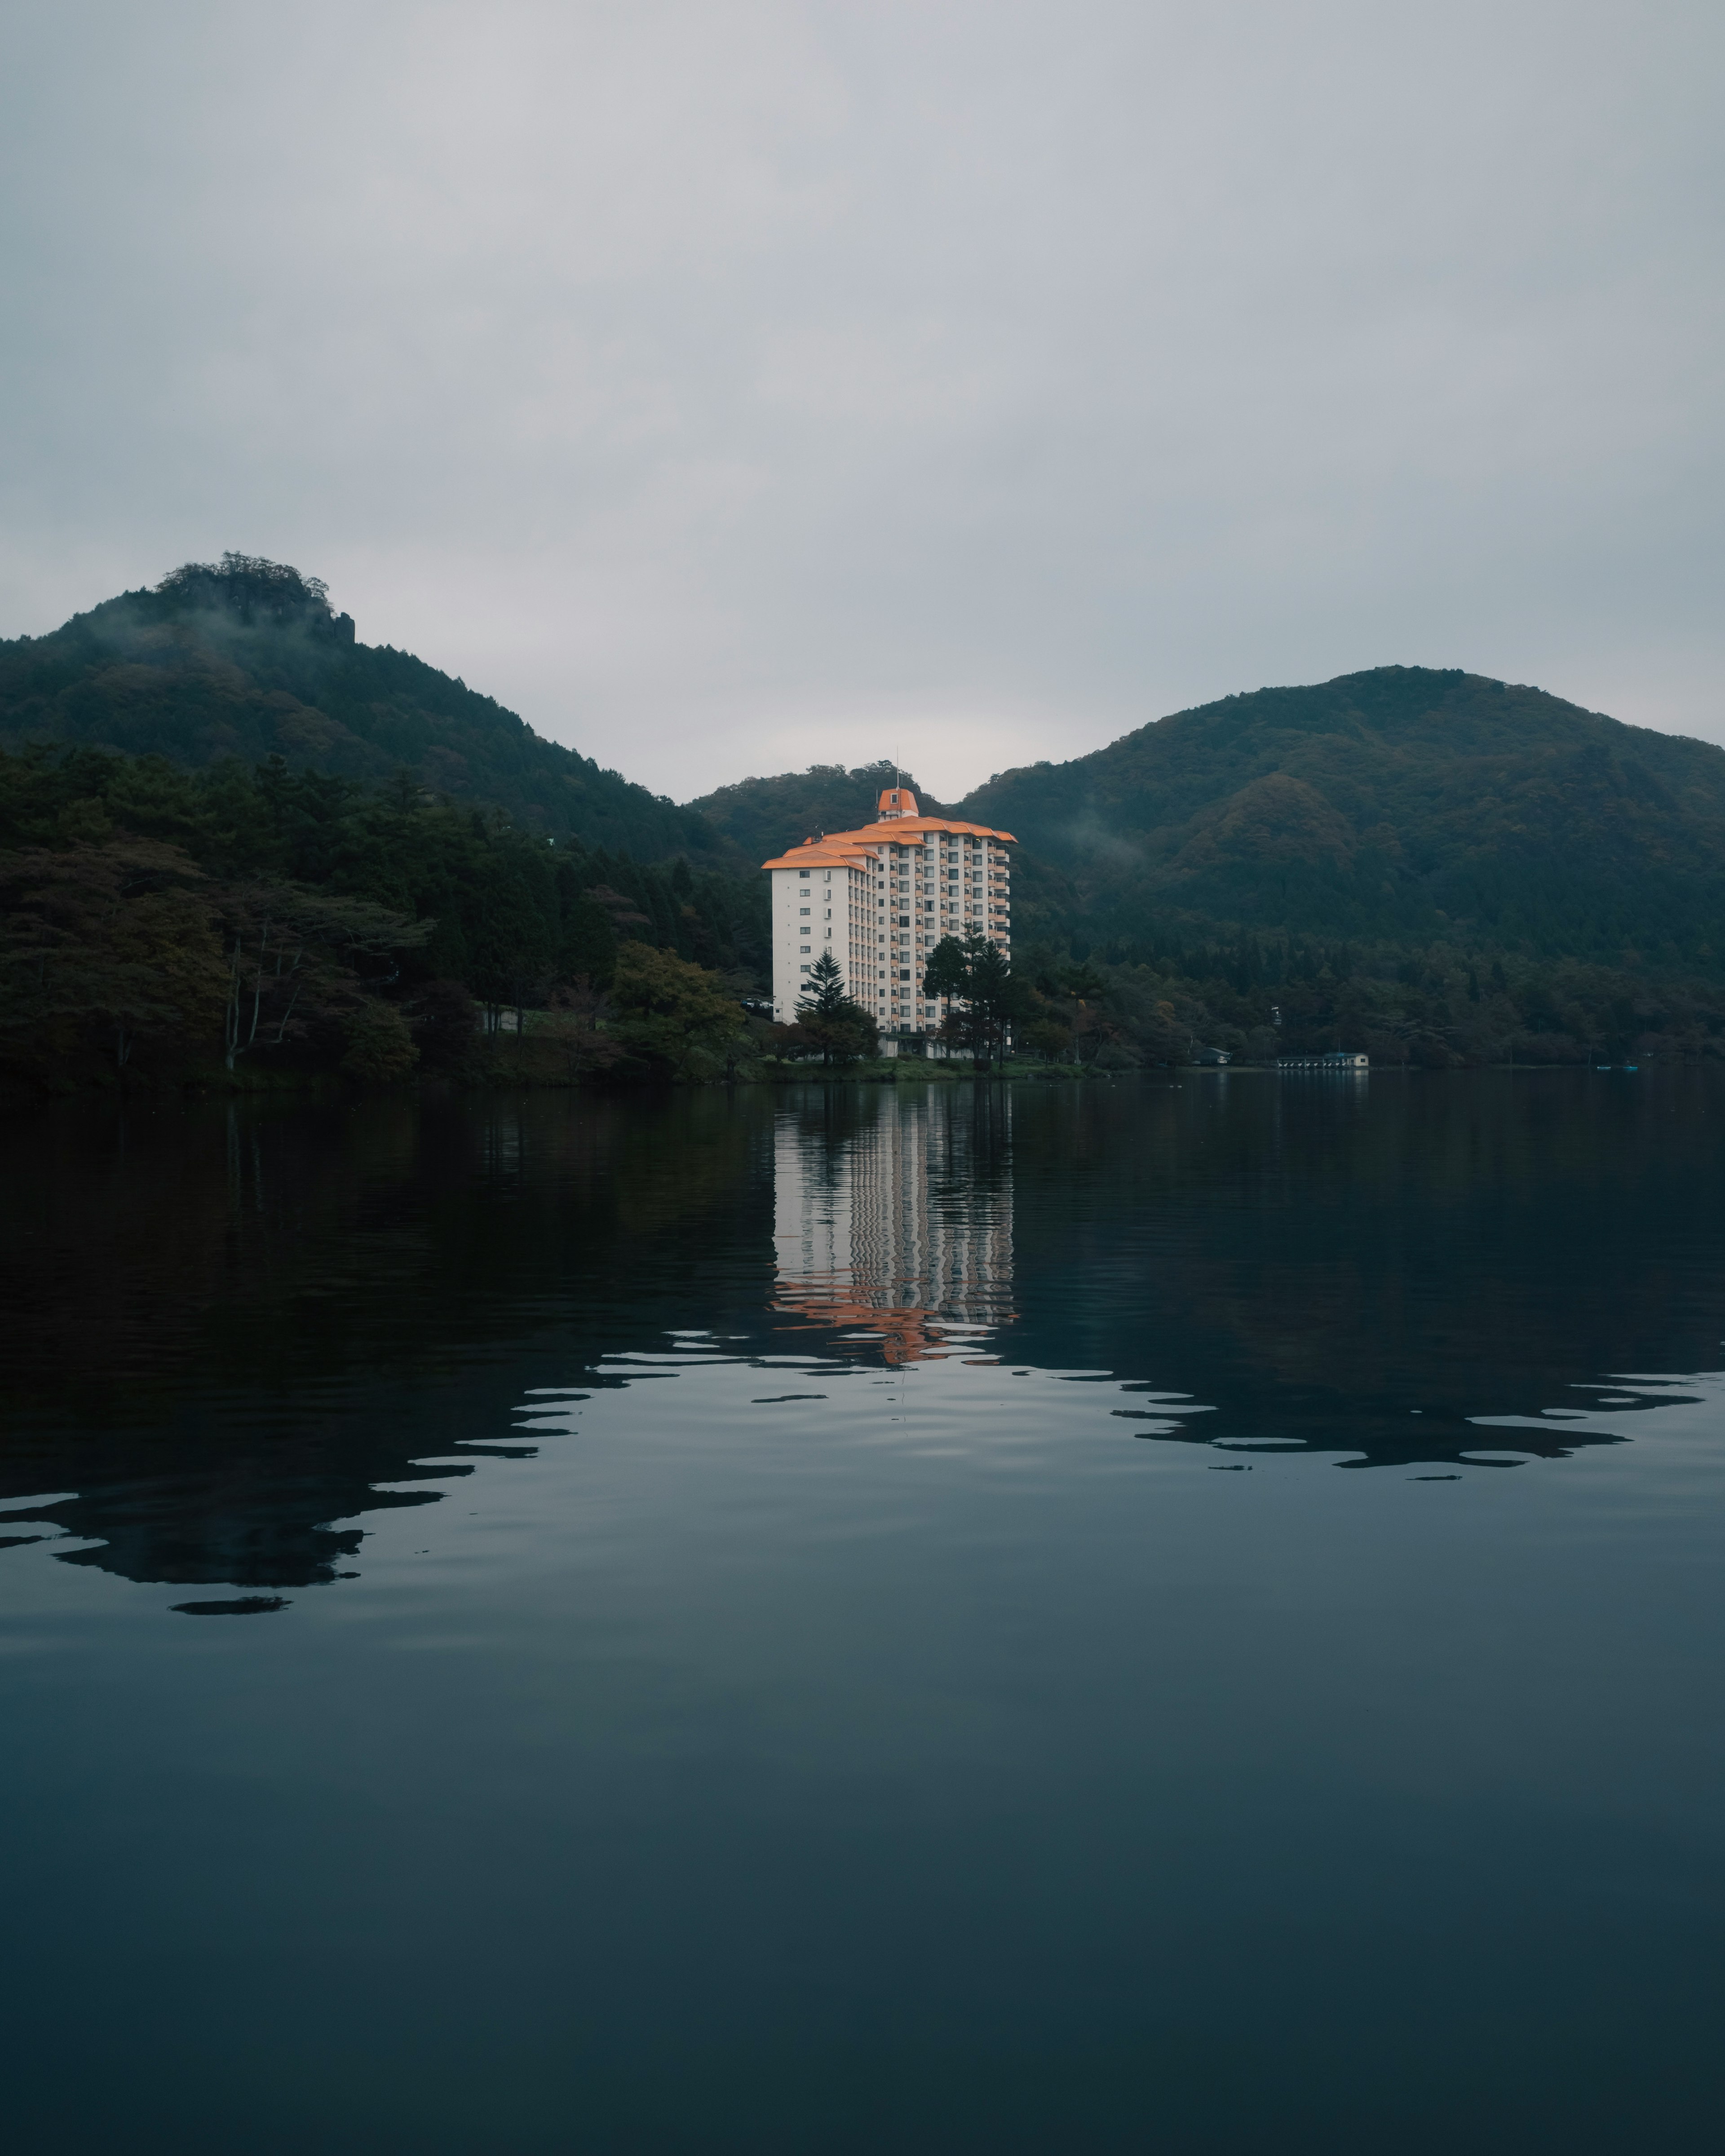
{"points": [[731, 387]]}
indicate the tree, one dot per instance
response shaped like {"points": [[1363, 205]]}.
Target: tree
{"points": [[513, 941], [947, 974], [247, 582], [587, 946], [578, 1011], [445, 1022], [829, 1020], [291, 954], [976, 973], [672, 1013], [117, 936], [380, 1048], [1049, 1035]]}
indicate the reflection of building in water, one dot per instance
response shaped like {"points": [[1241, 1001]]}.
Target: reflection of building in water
{"points": [[900, 1225]]}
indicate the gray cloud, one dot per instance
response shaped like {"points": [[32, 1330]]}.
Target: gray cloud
{"points": [[729, 387]]}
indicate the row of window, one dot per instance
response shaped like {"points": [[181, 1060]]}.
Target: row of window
{"points": [[954, 868]]}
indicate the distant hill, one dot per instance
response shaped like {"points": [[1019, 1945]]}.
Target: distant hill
{"points": [[1400, 804], [1403, 805], [763, 816], [247, 659]]}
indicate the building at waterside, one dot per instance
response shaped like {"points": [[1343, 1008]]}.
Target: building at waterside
{"points": [[880, 898]]}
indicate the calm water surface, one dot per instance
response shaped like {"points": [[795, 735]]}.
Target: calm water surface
{"points": [[1169, 1616]]}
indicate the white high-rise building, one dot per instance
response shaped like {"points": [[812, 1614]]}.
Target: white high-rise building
{"points": [[880, 898]]}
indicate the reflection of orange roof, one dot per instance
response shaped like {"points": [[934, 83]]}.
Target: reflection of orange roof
{"points": [[906, 1336], [898, 818], [907, 1333]]}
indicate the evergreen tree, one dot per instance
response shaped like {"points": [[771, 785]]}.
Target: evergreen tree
{"points": [[976, 973], [825, 995], [828, 1019]]}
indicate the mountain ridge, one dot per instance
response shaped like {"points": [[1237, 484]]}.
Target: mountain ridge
{"points": [[1394, 805], [1418, 801], [246, 658]]}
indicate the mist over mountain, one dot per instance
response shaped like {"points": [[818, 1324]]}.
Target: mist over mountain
{"points": [[1403, 804], [247, 659]]}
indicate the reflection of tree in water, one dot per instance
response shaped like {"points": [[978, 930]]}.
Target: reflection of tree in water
{"points": [[233, 1323], [226, 1327], [1321, 1260], [892, 1216]]}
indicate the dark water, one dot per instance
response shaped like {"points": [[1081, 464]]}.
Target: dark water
{"points": [[1165, 1616]]}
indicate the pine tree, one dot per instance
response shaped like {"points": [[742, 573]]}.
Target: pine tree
{"points": [[976, 971], [828, 1019], [824, 995]]}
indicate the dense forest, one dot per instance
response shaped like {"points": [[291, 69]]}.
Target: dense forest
{"points": [[1438, 1006], [1403, 807], [155, 920], [1400, 806], [236, 844], [1430, 866], [762, 817], [247, 658]]}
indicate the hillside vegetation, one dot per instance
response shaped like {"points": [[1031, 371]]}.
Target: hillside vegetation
{"points": [[762, 817], [1432, 867], [157, 923], [232, 836], [247, 658], [1399, 806]]}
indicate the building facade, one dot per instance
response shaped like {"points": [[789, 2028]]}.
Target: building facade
{"points": [[880, 898]]}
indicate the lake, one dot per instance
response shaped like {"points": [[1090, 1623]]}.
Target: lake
{"points": [[1183, 1614]]}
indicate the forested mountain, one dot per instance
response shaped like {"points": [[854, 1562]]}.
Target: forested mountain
{"points": [[1399, 806], [214, 802], [763, 816], [156, 920], [247, 659], [1432, 867]]}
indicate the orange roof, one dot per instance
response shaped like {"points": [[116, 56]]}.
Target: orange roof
{"points": [[899, 818], [838, 850]]}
